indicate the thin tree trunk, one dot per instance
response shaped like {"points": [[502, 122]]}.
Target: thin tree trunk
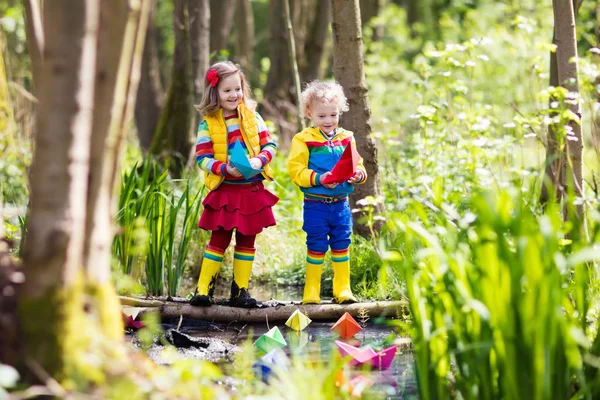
{"points": [[566, 57], [174, 138], [293, 62], [35, 36], [315, 45], [50, 307], [200, 43], [244, 20], [120, 53], [221, 20], [150, 97], [347, 39]]}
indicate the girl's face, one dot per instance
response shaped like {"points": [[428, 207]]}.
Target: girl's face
{"points": [[230, 93], [324, 116]]}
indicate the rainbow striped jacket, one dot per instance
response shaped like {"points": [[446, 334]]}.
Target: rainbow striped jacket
{"points": [[313, 153]]}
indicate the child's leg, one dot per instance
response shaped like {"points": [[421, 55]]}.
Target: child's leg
{"points": [[339, 241], [243, 259], [316, 228], [211, 264], [312, 284]]}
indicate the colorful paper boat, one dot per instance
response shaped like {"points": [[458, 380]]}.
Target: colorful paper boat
{"points": [[298, 321], [345, 167], [239, 159], [270, 341], [359, 356], [383, 359], [346, 326]]}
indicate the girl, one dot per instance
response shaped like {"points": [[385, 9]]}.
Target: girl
{"points": [[234, 202], [327, 216]]}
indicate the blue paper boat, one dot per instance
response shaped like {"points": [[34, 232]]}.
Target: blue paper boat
{"points": [[239, 159]]}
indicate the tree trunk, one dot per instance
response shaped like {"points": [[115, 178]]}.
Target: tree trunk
{"points": [[67, 300], [221, 20], [277, 313], [279, 103], [347, 45], [571, 157], [150, 97], [50, 308], [369, 9], [244, 20], [174, 139], [200, 43], [35, 36], [120, 53], [315, 45]]}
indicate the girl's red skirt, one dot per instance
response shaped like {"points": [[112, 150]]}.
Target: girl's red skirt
{"points": [[246, 207]]}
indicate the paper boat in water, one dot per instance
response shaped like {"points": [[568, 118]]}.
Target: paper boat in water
{"points": [[346, 326], [270, 340], [298, 321], [366, 355]]}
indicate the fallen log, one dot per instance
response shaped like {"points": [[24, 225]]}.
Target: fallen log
{"points": [[272, 311]]}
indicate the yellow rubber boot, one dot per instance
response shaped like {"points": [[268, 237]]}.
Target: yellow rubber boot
{"points": [[211, 264], [340, 261], [243, 258], [312, 285]]}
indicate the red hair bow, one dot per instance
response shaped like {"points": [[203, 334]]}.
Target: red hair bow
{"points": [[212, 77]]}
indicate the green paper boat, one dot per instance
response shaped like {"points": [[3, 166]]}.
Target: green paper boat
{"points": [[270, 340], [239, 159]]}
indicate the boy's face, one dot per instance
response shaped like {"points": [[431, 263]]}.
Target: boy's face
{"points": [[230, 93], [324, 116]]}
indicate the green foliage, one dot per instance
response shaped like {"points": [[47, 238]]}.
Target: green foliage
{"points": [[498, 303], [158, 223]]}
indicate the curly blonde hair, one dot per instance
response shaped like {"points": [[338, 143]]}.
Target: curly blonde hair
{"points": [[329, 92], [209, 104]]}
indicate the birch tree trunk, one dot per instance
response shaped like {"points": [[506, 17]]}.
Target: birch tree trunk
{"points": [[150, 97], [566, 166], [51, 311], [244, 20], [348, 69]]}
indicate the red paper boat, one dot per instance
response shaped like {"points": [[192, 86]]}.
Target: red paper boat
{"points": [[383, 359], [346, 326], [345, 167], [359, 356]]}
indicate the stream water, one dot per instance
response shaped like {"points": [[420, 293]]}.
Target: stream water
{"points": [[317, 342]]}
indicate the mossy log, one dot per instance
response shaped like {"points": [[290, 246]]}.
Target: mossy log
{"points": [[272, 311]]}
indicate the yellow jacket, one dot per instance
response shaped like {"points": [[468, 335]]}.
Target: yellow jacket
{"points": [[218, 136]]}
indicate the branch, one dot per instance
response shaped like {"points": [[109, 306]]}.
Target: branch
{"points": [[35, 36]]}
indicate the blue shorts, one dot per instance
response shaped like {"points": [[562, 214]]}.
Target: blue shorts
{"points": [[327, 225]]}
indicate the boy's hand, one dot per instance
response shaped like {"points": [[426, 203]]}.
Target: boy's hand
{"points": [[233, 171], [327, 185], [355, 178], [256, 163]]}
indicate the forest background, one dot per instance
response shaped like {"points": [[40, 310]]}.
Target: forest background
{"points": [[465, 119]]}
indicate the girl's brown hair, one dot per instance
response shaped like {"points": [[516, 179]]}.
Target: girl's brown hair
{"points": [[209, 104]]}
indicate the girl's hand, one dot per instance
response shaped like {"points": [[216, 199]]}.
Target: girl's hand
{"points": [[233, 171], [327, 185], [256, 163], [355, 178]]}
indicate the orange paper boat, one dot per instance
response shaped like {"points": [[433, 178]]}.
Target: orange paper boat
{"points": [[346, 326], [345, 167]]}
